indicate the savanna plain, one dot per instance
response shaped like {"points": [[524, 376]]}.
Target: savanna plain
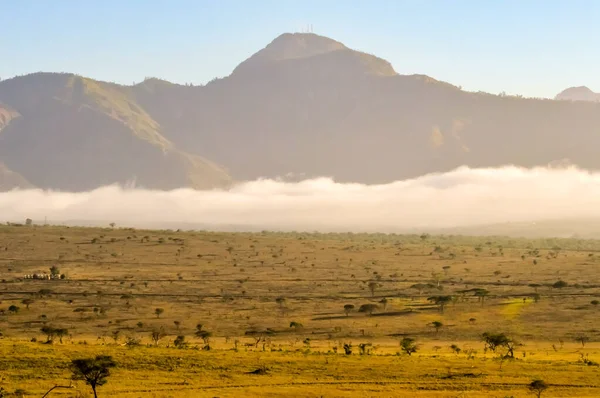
{"points": [[206, 314]]}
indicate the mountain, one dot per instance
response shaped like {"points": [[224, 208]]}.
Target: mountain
{"points": [[66, 132], [303, 106], [309, 106], [580, 93]]}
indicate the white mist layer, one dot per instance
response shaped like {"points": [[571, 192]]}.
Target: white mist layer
{"points": [[463, 197]]}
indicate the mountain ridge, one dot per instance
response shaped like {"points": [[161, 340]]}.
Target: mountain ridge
{"points": [[304, 105]]}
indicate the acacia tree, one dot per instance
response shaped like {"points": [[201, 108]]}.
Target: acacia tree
{"points": [[296, 325], [94, 371], [372, 286], [420, 287], [408, 345], [493, 341], [481, 294], [280, 301], [27, 302], [582, 339], [440, 301], [437, 325], [205, 335], [157, 335], [384, 302], [538, 387], [52, 333], [368, 308], [348, 308], [158, 312]]}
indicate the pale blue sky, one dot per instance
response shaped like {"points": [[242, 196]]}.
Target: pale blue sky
{"points": [[531, 47]]}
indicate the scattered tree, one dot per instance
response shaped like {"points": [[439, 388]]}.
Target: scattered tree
{"points": [[455, 349], [280, 301], [440, 301], [372, 287], [493, 341], [94, 371], [437, 325], [538, 387], [158, 312], [348, 348], [383, 303], [115, 335], [420, 287], [180, 342], [348, 308], [157, 335], [582, 339], [13, 309], [408, 345], [559, 284], [296, 325], [368, 308], [27, 302]]}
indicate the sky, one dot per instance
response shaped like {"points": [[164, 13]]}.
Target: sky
{"points": [[534, 48]]}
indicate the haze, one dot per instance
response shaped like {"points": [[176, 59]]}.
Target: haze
{"points": [[461, 197]]}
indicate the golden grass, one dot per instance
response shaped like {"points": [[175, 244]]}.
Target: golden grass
{"points": [[230, 283]]}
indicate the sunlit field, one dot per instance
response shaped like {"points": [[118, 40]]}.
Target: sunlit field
{"points": [[192, 314]]}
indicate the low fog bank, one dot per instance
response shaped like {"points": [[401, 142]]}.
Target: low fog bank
{"points": [[461, 198]]}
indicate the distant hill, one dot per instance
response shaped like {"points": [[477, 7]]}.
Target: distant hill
{"points": [[581, 93], [72, 133], [305, 105]]}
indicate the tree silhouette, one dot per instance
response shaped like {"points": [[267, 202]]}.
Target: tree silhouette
{"points": [[437, 325], [559, 284], [372, 286], [383, 302], [538, 387], [27, 302], [408, 345], [157, 335], [296, 325], [481, 294], [455, 349], [158, 312], [348, 308], [368, 308], [280, 301], [440, 301], [494, 340], [94, 371], [582, 339], [54, 271]]}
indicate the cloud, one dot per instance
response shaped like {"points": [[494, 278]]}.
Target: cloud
{"points": [[461, 197]]}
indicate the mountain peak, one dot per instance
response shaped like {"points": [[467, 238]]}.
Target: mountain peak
{"points": [[580, 93], [290, 47], [299, 45]]}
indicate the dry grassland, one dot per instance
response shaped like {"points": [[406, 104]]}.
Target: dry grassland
{"points": [[249, 290]]}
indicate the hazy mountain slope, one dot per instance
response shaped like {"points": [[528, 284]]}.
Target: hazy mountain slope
{"points": [[11, 180], [7, 115], [77, 134], [581, 93], [305, 105], [332, 111]]}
